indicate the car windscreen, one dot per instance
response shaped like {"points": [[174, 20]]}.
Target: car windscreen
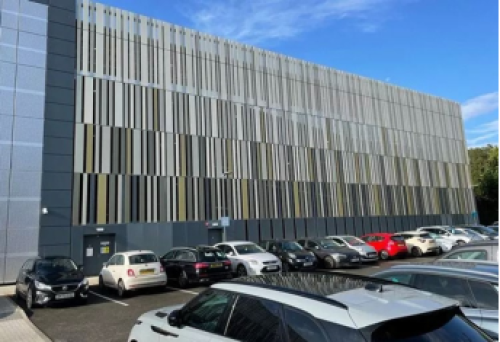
{"points": [[425, 236], [353, 241], [248, 249], [212, 255], [145, 258], [328, 244], [291, 246], [397, 238], [441, 326], [55, 266]]}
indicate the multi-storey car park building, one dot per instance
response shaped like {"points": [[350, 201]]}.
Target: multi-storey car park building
{"points": [[119, 131]]}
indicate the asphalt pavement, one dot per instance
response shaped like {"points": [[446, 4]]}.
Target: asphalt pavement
{"points": [[106, 317]]}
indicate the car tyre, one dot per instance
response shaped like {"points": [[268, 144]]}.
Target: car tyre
{"points": [[416, 252], [330, 262], [285, 267], [182, 280], [102, 286], [439, 251], [460, 242], [30, 298], [17, 295], [241, 271], [384, 254], [122, 291]]}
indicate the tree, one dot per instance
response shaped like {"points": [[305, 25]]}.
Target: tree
{"points": [[484, 174]]}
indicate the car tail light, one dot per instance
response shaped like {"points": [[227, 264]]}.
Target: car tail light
{"points": [[200, 265], [130, 272], [162, 270], [227, 262]]}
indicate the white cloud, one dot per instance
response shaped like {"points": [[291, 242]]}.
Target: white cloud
{"points": [[485, 128], [490, 138], [254, 21], [480, 105]]}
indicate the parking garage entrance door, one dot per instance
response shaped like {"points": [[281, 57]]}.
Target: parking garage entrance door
{"points": [[97, 249]]}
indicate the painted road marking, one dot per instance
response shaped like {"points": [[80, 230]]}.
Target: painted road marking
{"points": [[107, 298], [185, 291]]}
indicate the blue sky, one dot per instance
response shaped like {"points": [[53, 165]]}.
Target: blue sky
{"points": [[447, 48]]}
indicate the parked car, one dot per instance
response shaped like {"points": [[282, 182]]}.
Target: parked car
{"points": [[495, 228], [448, 233], [330, 254], [42, 281], [387, 245], [133, 270], [444, 244], [247, 258], [476, 291], [474, 235], [309, 307], [420, 243], [484, 250], [193, 265], [292, 255], [367, 252], [485, 232]]}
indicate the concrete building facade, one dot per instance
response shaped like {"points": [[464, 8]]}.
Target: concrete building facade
{"points": [[119, 131]]}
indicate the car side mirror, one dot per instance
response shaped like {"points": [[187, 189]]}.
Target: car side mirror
{"points": [[174, 318], [80, 268]]}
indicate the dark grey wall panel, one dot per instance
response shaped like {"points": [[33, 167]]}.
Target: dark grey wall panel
{"points": [[358, 226], [366, 224], [60, 95], [57, 217], [253, 230], [60, 63], [57, 181], [58, 146], [375, 225], [61, 47], [165, 241], [59, 112], [135, 236], [340, 224], [331, 227], [289, 228], [60, 79], [64, 4], [57, 163], [349, 226], [62, 250], [238, 227], [398, 224], [62, 16], [57, 198], [277, 228], [179, 236], [311, 227], [54, 236], [419, 221], [300, 228], [382, 227], [321, 227], [265, 229], [390, 224]]}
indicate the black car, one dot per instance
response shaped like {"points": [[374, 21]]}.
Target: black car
{"points": [[292, 255], [42, 281], [486, 231], [200, 264], [330, 254]]}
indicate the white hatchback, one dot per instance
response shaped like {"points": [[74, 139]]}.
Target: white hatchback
{"points": [[132, 270]]}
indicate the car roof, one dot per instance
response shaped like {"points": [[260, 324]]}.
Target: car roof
{"points": [[480, 243], [379, 234], [469, 271], [346, 299], [195, 248], [235, 243], [413, 232], [130, 253]]}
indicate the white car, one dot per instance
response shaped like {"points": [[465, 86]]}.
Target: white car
{"points": [[308, 307], [419, 243], [367, 252], [132, 270], [445, 244], [475, 236], [448, 232], [247, 258]]}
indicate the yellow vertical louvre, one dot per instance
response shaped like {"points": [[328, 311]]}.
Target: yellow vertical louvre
{"points": [[102, 196]]}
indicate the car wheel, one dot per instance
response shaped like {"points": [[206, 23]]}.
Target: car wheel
{"points": [[102, 287], [285, 267], [416, 252], [439, 251], [182, 280], [384, 255], [460, 242], [241, 271], [17, 295], [29, 298], [121, 289], [330, 263]]}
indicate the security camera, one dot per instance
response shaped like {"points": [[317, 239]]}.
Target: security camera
{"points": [[45, 211]]}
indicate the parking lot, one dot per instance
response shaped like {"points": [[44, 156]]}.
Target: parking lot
{"points": [[110, 318]]}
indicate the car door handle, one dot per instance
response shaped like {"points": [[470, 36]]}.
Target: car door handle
{"points": [[163, 332]]}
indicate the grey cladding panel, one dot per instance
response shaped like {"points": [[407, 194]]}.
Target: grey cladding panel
{"points": [[289, 228], [321, 227], [60, 112], [57, 163], [60, 79], [265, 229], [58, 146], [277, 226], [62, 16], [62, 32], [253, 230], [56, 198], [54, 236], [57, 217], [300, 228]]}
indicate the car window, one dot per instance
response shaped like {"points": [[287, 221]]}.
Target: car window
{"points": [[249, 248], [120, 260], [301, 327], [113, 259], [397, 238], [301, 242], [367, 238], [255, 320], [339, 241], [169, 255], [263, 245], [185, 256], [28, 265], [485, 294], [476, 254], [450, 287], [402, 278], [144, 258], [273, 247], [212, 255], [225, 248], [206, 311], [311, 244]]}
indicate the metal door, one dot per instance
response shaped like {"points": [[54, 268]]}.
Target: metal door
{"points": [[214, 236], [97, 249]]}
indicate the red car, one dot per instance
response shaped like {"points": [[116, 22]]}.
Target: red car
{"points": [[387, 245]]}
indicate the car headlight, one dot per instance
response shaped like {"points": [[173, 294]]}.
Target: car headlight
{"points": [[339, 256], [292, 255], [42, 286], [253, 262], [84, 282]]}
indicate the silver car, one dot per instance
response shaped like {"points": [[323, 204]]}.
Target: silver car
{"points": [[367, 252], [475, 287]]}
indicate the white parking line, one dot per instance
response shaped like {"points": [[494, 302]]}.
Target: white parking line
{"points": [[107, 298], [185, 291]]}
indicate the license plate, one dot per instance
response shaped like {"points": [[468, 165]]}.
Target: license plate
{"points": [[272, 267], [354, 259], [146, 272], [308, 264], [65, 295], [215, 265]]}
